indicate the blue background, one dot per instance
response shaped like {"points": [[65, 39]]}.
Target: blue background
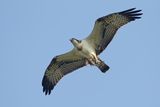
{"points": [[32, 32]]}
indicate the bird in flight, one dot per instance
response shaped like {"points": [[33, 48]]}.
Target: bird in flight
{"points": [[86, 51]]}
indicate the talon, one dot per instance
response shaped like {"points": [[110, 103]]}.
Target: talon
{"points": [[98, 62], [91, 61]]}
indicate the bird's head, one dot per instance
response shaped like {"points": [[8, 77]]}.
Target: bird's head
{"points": [[76, 43]]}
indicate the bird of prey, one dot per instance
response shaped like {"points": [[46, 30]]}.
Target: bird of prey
{"points": [[86, 51]]}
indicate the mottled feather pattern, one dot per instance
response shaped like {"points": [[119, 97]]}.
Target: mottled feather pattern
{"points": [[57, 69], [103, 32], [110, 30], [121, 18], [106, 27]]}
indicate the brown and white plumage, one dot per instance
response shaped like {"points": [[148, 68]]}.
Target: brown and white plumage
{"points": [[60, 66], [106, 27], [86, 51]]}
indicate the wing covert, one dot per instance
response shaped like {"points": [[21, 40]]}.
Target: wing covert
{"points": [[106, 27], [60, 66]]}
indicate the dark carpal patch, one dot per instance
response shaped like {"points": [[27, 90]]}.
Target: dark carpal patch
{"points": [[103, 34], [52, 62]]}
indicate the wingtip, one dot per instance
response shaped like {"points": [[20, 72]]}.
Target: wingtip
{"points": [[132, 14], [47, 86], [128, 10]]}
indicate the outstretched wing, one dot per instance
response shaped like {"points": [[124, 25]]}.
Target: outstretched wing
{"points": [[106, 27], [60, 66]]}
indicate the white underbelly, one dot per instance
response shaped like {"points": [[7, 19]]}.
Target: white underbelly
{"points": [[87, 50]]}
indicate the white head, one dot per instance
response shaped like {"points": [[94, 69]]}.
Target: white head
{"points": [[76, 43]]}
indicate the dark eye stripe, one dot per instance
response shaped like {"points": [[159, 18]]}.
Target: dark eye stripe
{"points": [[79, 41]]}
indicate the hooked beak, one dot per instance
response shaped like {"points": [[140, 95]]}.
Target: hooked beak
{"points": [[71, 39]]}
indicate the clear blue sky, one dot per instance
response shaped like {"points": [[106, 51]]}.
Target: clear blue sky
{"points": [[32, 32]]}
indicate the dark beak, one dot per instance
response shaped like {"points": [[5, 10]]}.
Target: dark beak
{"points": [[71, 39]]}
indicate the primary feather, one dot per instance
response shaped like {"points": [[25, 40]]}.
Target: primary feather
{"points": [[103, 32], [106, 27]]}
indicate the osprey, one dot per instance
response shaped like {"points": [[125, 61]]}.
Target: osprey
{"points": [[86, 51]]}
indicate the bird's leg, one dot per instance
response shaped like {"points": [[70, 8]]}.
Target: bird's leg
{"points": [[93, 60], [97, 61]]}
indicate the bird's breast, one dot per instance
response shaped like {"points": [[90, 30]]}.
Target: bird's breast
{"points": [[87, 49]]}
